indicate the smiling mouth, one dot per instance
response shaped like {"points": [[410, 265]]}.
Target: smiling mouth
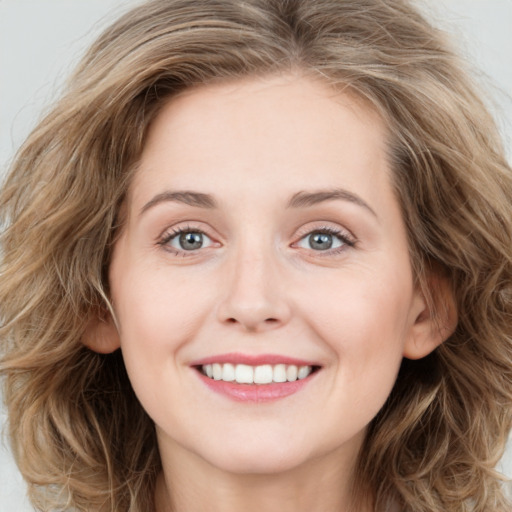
{"points": [[261, 374]]}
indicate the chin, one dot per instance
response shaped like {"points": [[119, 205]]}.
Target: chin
{"points": [[255, 458]]}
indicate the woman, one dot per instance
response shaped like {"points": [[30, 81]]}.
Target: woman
{"points": [[294, 220]]}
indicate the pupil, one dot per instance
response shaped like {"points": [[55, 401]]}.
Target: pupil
{"points": [[191, 241], [321, 241]]}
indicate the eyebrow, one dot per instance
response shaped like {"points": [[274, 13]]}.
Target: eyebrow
{"points": [[304, 199], [197, 199]]}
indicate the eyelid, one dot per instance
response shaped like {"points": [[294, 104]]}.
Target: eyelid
{"points": [[327, 227]]}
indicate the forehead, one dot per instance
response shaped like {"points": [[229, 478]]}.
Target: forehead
{"points": [[281, 132]]}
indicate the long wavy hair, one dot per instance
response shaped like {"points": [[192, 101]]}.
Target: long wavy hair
{"points": [[78, 433]]}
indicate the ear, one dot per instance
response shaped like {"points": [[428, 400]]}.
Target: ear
{"points": [[434, 316], [101, 334]]}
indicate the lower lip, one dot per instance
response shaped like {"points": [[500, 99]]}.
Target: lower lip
{"points": [[256, 392]]}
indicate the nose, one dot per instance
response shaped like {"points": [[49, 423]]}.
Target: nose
{"points": [[254, 297]]}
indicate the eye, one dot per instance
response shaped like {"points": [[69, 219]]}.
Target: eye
{"points": [[325, 240], [186, 240]]}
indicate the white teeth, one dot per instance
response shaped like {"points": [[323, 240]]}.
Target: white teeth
{"points": [[291, 373], [279, 373], [217, 371], [244, 374], [228, 372], [303, 372], [263, 374]]}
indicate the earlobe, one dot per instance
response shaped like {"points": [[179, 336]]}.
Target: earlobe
{"points": [[101, 334], [434, 319]]}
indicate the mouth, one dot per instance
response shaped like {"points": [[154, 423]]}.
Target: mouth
{"points": [[249, 378], [256, 375]]}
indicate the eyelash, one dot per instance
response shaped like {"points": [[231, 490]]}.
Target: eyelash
{"points": [[347, 239]]}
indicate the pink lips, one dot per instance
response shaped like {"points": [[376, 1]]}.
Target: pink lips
{"points": [[254, 392], [252, 360]]}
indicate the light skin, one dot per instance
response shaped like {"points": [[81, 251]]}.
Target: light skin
{"points": [[256, 170]]}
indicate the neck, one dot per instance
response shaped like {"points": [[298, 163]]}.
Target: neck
{"points": [[188, 483]]}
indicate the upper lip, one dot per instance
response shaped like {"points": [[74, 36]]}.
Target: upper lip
{"points": [[252, 360]]}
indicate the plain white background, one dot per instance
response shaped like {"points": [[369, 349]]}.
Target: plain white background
{"points": [[41, 40]]}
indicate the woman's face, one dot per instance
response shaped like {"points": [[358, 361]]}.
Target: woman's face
{"points": [[263, 240]]}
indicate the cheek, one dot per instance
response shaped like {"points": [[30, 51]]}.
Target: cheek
{"points": [[365, 322], [156, 321], [365, 334], [162, 313]]}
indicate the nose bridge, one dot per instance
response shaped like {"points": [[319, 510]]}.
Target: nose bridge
{"points": [[254, 296]]}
